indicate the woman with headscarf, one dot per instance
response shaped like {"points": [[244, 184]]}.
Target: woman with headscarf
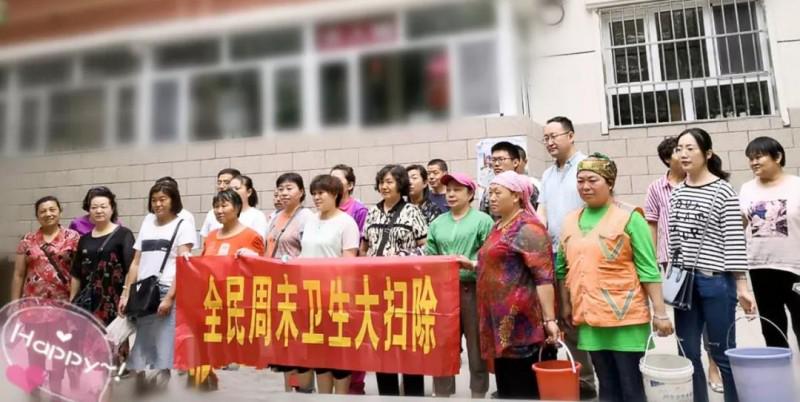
{"points": [[516, 298], [607, 272]]}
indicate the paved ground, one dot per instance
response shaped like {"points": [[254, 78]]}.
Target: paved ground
{"points": [[259, 385]]}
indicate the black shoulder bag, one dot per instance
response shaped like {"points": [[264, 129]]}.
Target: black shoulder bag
{"points": [[144, 295], [85, 298]]}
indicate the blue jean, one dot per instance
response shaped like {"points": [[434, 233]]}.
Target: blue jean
{"points": [[713, 307], [619, 376]]}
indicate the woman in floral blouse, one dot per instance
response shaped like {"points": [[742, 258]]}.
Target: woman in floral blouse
{"points": [[41, 270], [516, 297]]}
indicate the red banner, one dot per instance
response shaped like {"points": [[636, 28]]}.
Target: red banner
{"points": [[395, 315]]}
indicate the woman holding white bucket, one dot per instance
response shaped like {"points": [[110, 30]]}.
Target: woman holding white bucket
{"points": [[771, 207], [607, 272], [706, 237]]}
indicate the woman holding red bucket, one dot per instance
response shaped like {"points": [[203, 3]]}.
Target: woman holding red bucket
{"points": [[607, 270], [516, 296]]}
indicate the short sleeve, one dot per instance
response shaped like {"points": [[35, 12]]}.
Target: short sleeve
{"points": [[127, 249], [350, 234], [561, 264], [208, 223], [75, 269], [735, 247], [360, 218], [185, 235], [257, 244], [24, 244], [744, 200], [485, 228], [536, 250], [644, 252], [651, 204], [143, 228]]}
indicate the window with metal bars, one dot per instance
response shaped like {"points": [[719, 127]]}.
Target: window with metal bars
{"points": [[686, 60]]}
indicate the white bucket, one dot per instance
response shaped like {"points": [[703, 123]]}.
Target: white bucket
{"points": [[667, 378]]}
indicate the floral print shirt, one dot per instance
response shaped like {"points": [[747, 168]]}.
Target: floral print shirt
{"points": [[513, 261], [42, 279]]}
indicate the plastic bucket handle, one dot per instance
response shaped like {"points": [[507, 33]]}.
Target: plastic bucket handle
{"points": [[728, 334], [652, 338], [569, 355]]}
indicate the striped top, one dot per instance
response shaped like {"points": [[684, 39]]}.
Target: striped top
{"points": [[656, 209], [724, 245]]}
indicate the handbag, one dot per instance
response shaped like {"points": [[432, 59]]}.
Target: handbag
{"points": [[145, 295], [85, 298], [678, 281]]}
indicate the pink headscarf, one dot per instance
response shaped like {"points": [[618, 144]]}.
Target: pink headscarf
{"points": [[519, 184]]}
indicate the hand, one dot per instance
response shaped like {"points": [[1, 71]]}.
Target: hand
{"points": [[165, 306], [465, 263], [663, 327], [186, 256], [747, 301], [566, 316], [245, 251], [123, 303], [552, 331]]}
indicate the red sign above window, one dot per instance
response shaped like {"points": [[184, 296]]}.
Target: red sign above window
{"points": [[354, 33]]}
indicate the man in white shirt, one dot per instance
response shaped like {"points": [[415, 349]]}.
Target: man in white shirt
{"points": [[558, 198], [224, 178]]}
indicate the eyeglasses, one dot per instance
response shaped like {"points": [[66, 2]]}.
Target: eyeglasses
{"points": [[552, 137], [501, 159]]}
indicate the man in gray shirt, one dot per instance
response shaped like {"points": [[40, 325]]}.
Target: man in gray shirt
{"points": [[558, 198]]}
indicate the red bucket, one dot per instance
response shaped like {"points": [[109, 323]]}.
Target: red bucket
{"points": [[558, 380]]}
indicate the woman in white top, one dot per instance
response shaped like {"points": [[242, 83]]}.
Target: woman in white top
{"points": [[771, 207], [250, 216], [330, 233], [154, 248]]}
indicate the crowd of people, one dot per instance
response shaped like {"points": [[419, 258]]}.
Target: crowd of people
{"points": [[539, 261]]}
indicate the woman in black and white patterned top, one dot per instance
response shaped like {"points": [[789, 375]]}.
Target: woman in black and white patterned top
{"points": [[719, 251], [394, 227]]}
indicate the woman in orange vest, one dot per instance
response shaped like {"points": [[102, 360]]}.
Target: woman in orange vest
{"points": [[607, 271]]}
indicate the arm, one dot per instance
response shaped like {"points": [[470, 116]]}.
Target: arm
{"points": [[644, 257], [534, 246], [654, 231], [350, 252], [20, 270], [169, 299], [546, 295], [133, 274], [74, 287], [564, 302], [364, 247], [736, 252]]}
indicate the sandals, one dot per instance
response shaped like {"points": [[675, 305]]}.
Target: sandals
{"points": [[716, 387]]}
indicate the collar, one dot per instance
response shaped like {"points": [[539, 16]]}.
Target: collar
{"points": [[346, 205], [396, 207], [40, 235], [664, 181], [572, 159]]}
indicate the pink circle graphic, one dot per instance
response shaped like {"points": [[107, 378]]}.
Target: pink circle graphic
{"points": [[56, 349]]}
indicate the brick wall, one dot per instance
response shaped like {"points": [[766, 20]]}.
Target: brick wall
{"points": [[130, 172]]}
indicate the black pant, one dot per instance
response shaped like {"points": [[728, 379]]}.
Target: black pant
{"points": [[773, 292], [388, 384], [619, 376], [515, 377]]}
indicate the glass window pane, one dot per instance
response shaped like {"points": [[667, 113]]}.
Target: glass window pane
{"points": [[29, 127], [288, 99], [270, 43], [76, 119], [478, 85], [647, 108], [44, 72], [405, 86], [682, 59], [630, 62], [450, 18], [334, 96], [738, 53], [126, 115], [226, 105], [728, 101], [165, 111], [110, 63], [188, 54]]}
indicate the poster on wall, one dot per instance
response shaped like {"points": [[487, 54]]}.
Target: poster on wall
{"points": [[484, 158]]}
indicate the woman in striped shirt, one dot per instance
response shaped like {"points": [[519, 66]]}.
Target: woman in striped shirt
{"points": [[706, 234]]}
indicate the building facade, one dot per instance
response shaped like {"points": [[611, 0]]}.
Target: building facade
{"points": [[121, 93]]}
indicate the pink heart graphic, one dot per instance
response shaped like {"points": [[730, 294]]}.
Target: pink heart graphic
{"points": [[27, 379]]}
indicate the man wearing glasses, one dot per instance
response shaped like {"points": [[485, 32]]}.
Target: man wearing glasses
{"points": [[560, 197], [506, 156]]}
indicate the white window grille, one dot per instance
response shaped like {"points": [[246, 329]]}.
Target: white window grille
{"points": [[686, 60]]}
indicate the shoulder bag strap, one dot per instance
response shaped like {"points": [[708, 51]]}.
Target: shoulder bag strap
{"points": [[388, 228], [705, 226], [44, 247], [169, 248], [278, 238]]}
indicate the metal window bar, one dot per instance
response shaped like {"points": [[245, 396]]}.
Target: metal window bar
{"points": [[699, 76]]}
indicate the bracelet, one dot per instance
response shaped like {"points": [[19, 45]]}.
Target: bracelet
{"points": [[553, 320], [661, 317]]}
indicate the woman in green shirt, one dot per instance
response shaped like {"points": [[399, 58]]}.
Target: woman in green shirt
{"points": [[607, 271], [461, 232]]}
